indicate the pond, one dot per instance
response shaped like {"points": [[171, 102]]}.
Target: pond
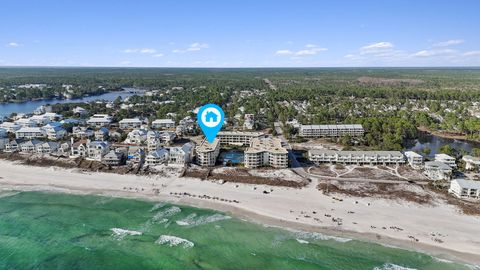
{"points": [[29, 106], [434, 143]]}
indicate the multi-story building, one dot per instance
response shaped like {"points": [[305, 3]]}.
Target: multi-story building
{"points": [[101, 134], [163, 124], [471, 163], [436, 170], [30, 133], [10, 126], [54, 132], [313, 131], [130, 123], [29, 146], [78, 149], [136, 136], [13, 145], [446, 159], [181, 155], [356, 157], [249, 121], [414, 159], [47, 147], [25, 122], [99, 120], [135, 155], [463, 188], [241, 138], [82, 132], [266, 152], [114, 158], [207, 153], [97, 149], [157, 157], [40, 120]]}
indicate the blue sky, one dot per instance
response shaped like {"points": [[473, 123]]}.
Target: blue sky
{"points": [[238, 33]]}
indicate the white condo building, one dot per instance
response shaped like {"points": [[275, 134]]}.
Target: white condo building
{"points": [[207, 153], [99, 120], [130, 123], [163, 124], [266, 152], [449, 160], [313, 131], [463, 188], [436, 170], [356, 157], [30, 133], [240, 138], [414, 159]]}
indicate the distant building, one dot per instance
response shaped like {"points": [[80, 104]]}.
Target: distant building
{"points": [[101, 134], [40, 120], [249, 121], [163, 124], [449, 160], [356, 157], [78, 149], [82, 132], [99, 120], [10, 126], [3, 133], [313, 131], [207, 153], [414, 159], [241, 138], [53, 116], [130, 123], [12, 145], [54, 132], [471, 163], [266, 152], [463, 188], [436, 170], [181, 155], [136, 136], [26, 122], [79, 110], [156, 157], [30, 133]]}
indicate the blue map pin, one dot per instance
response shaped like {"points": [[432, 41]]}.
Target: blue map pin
{"points": [[210, 117]]}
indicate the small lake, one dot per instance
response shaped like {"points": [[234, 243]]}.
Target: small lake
{"points": [[29, 106], [434, 143]]}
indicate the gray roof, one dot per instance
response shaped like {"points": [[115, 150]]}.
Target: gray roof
{"points": [[470, 184], [437, 165], [356, 153], [326, 127]]}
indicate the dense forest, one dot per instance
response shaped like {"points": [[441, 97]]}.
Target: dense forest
{"points": [[390, 103]]}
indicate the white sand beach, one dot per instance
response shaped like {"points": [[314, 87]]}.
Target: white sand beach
{"points": [[441, 230]]}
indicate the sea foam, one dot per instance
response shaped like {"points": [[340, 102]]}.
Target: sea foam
{"points": [[319, 236], [192, 220], [166, 213], [391, 266], [173, 241], [121, 233]]}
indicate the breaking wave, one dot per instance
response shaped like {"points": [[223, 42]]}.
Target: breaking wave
{"points": [[119, 233], [166, 213], [319, 236], [391, 266], [192, 219], [174, 241]]}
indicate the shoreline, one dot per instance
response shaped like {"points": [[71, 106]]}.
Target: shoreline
{"points": [[264, 214], [447, 135]]}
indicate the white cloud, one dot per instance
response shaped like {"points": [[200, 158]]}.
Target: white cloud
{"points": [[431, 53], [384, 45], [158, 55], [141, 50], [472, 53], [284, 52], [126, 63], [310, 49], [197, 46], [13, 45], [449, 43]]}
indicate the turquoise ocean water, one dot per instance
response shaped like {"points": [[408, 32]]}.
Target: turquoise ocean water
{"points": [[62, 231]]}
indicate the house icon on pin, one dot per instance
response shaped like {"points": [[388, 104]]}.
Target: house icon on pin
{"points": [[211, 117]]}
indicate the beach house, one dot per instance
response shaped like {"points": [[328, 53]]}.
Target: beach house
{"points": [[135, 155], [446, 159], [136, 136], [163, 124], [30, 133], [463, 188], [181, 155], [47, 147], [156, 157], [471, 163], [414, 159], [436, 170], [99, 120], [101, 134], [114, 158], [97, 149], [130, 123]]}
